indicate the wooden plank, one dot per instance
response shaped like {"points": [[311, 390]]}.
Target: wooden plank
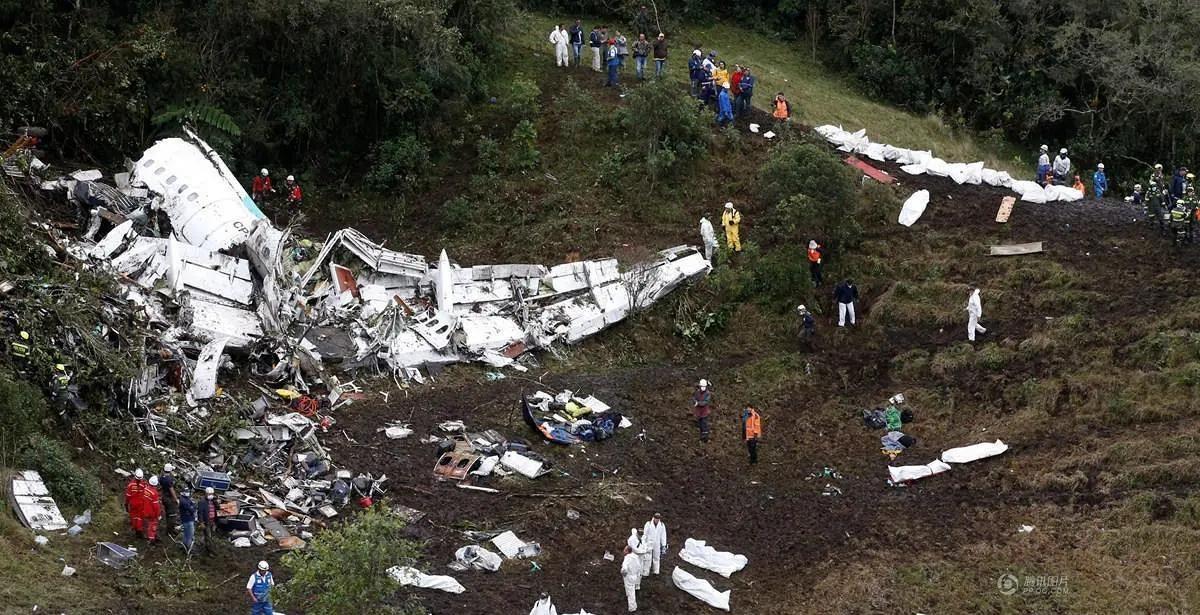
{"points": [[870, 171], [1016, 249], [1006, 207]]}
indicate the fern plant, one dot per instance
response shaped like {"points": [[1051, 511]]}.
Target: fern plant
{"points": [[213, 123]]}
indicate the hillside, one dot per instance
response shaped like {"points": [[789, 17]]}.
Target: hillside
{"points": [[1088, 371]]}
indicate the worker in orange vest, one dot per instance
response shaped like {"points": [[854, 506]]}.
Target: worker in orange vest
{"points": [[1078, 185], [752, 431], [816, 253], [151, 510], [782, 109], [134, 500]]}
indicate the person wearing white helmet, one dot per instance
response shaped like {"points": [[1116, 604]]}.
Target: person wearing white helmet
{"points": [[170, 497], [808, 324], [1043, 165], [135, 500], [259, 589], [206, 515], [1062, 167], [702, 400], [731, 221], [1099, 181], [295, 198], [151, 510], [261, 186]]}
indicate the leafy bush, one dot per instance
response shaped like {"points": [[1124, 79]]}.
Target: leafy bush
{"points": [[22, 411], [488, 150], [520, 98], [397, 162], [523, 154], [458, 213], [664, 127], [344, 569], [583, 117], [814, 194], [68, 483]]}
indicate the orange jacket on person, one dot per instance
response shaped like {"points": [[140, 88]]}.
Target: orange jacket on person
{"points": [[151, 503], [295, 197], [751, 424], [814, 254], [135, 497], [1079, 186], [781, 108]]}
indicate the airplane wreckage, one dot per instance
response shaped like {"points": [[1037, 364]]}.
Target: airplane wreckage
{"points": [[201, 261]]}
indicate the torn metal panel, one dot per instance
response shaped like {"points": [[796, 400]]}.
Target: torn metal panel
{"points": [[204, 376], [577, 276], [343, 279], [114, 241], [455, 465], [206, 206], [32, 502], [222, 278], [652, 281], [211, 321], [373, 255], [478, 332]]}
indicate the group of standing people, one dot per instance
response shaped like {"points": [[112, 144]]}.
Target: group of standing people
{"points": [[160, 500], [1058, 173], [612, 50], [643, 555], [730, 93]]}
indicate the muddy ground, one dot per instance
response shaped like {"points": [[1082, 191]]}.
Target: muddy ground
{"points": [[773, 512]]}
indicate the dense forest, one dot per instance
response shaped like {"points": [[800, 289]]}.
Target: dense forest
{"points": [[1116, 81]]}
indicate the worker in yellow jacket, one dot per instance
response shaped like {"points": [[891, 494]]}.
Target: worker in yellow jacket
{"points": [[730, 220]]}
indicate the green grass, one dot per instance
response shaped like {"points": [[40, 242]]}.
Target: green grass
{"points": [[818, 97]]}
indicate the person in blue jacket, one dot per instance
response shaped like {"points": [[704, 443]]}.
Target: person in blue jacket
{"points": [[724, 107], [1178, 183], [1099, 181], [614, 65]]}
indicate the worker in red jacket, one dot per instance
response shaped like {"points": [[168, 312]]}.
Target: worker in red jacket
{"points": [[151, 509], [295, 198], [261, 186], [134, 490]]}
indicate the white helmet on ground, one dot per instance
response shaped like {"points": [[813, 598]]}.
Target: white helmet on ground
{"points": [[139, 474]]}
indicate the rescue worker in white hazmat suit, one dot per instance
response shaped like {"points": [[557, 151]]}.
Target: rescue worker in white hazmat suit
{"points": [[654, 536], [631, 574], [708, 237], [974, 313]]}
